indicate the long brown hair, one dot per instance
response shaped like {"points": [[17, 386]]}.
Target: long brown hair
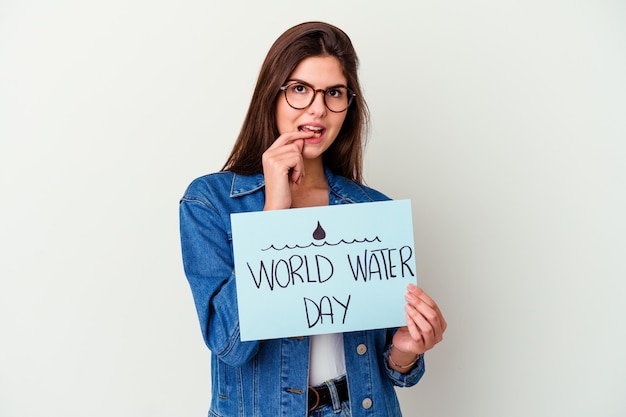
{"points": [[259, 130]]}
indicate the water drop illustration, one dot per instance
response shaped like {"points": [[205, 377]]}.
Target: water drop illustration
{"points": [[319, 232]]}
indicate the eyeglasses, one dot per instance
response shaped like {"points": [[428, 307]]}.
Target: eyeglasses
{"points": [[301, 95]]}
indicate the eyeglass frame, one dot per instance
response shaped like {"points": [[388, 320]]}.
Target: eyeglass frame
{"points": [[351, 95]]}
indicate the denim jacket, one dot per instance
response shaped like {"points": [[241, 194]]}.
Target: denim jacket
{"points": [[269, 378]]}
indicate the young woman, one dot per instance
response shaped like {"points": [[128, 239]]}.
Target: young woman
{"points": [[300, 146]]}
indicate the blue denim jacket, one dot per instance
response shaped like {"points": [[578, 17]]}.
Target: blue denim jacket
{"points": [[270, 377]]}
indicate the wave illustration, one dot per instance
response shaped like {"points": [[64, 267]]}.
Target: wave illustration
{"points": [[376, 239]]}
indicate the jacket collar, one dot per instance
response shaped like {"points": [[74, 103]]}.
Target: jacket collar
{"points": [[248, 184]]}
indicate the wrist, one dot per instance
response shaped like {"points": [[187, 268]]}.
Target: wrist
{"points": [[402, 360]]}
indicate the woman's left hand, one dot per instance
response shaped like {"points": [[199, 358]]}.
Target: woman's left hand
{"points": [[425, 324]]}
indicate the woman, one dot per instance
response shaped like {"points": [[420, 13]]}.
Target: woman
{"points": [[300, 146]]}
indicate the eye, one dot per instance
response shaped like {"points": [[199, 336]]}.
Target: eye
{"points": [[299, 89], [335, 93]]}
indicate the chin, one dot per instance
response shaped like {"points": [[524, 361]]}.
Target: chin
{"points": [[310, 154]]}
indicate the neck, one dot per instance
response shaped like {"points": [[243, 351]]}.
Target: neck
{"points": [[313, 190], [314, 176]]}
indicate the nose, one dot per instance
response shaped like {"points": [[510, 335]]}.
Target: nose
{"points": [[318, 106]]}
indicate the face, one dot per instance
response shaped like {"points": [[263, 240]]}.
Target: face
{"points": [[320, 72]]}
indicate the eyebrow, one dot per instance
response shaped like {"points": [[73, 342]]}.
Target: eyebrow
{"points": [[295, 80]]}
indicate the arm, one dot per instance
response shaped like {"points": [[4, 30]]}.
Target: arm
{"points": [[209, 267]]}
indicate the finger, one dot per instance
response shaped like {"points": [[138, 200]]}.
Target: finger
{"points": [[297, 171], [286, 154], [419, 331], [289, 137], [438, 315], [427, 314], [285, 159], [432, 317], [423, 328], [421, 294], [413, 330]]}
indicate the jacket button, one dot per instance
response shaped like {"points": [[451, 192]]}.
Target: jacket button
{"points": [[367, 403], [361, 349]]}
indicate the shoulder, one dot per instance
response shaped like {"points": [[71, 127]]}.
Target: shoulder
{"points": [[209, 186], [226, 192], [371, 193], [353, 192]]}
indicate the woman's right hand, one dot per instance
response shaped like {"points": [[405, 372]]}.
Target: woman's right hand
{"points": [[283, 166]]}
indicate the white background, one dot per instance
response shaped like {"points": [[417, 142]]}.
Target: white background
{"points": [[503, 121]]}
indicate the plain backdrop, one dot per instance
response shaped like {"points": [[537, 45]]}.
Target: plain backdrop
{"points": [[503, 121]]}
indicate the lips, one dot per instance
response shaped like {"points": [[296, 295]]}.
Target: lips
{"points": [[314, 129]]}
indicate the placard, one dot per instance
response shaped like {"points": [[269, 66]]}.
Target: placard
{"points": [[323, 269]]}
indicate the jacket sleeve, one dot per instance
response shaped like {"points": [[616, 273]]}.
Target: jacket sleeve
{"points": [[397, 378], [209, 267]]}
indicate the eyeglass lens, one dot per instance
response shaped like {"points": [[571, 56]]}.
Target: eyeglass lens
{"points": [[299, 96]]}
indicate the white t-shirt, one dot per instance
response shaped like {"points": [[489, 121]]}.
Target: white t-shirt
{"points": [[327, 360]]}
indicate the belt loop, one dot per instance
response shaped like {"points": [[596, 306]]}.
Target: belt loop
{"points": [[334, 395]]}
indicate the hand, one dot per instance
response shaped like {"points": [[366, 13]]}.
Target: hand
{"points": [[425, 325], [283, 166]]}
